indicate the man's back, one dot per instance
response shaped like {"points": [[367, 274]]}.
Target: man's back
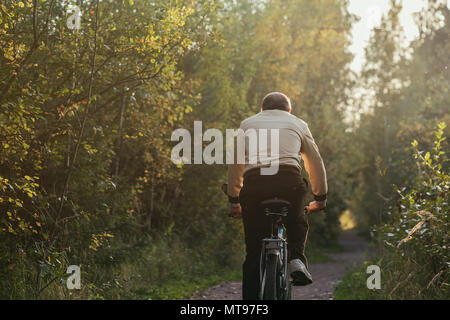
{"points": [[295, 142], [290, 131]]}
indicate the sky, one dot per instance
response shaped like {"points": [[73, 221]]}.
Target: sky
{"points": [[370, 12]]}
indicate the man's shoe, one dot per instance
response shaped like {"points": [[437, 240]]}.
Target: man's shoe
{"points": [[299, 273]]}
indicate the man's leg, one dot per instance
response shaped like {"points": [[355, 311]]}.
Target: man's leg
{"points": [[297, 231], [297, 225], [254, 227], [284, 186]]}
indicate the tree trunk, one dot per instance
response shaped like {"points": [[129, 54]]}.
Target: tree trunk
{"points": [[119, 138], [148, 220]]}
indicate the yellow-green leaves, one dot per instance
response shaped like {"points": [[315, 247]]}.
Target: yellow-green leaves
{"points": [[99, 240]]}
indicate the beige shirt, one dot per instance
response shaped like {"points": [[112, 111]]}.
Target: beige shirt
{"points": [[295, 143]]}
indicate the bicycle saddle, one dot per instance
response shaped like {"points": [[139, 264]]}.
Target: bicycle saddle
{"points": [[276, 206]]}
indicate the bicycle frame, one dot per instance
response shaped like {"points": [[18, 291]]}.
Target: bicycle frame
{"points": [[275, 245]]}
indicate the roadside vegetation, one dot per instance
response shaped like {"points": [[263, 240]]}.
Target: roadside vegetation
{"points": [[86, 117], [402, 194], [413, 245]]}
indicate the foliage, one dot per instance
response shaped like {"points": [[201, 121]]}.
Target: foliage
{"points": [[416, 239], [413, 254], [353, 285], [406, 95], [79, 109], [86, 117]]}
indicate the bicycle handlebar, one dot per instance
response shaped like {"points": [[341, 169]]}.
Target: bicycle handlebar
{"points": [[225, 191]]}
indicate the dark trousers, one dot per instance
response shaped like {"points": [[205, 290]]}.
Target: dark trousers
{"points": [[287, 185]]}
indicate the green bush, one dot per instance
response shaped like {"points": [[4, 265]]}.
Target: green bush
{"points": [[414, 254]]}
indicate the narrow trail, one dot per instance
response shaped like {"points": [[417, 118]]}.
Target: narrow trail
{"points": [[325, 275]]}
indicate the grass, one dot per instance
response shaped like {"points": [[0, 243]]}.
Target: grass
{"points": [[398, 282], [188, 285], [185, 288], [169, 270], [321, 255], [402, 278], [354, 285]]}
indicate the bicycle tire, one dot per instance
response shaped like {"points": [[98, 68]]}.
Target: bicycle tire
{"points": [[271, 286], [289, 291], [285, 290]]}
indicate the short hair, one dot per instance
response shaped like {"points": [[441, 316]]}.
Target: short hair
{"points": [[276, 100]]}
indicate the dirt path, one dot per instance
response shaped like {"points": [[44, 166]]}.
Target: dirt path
{"points": [[325, 275]]}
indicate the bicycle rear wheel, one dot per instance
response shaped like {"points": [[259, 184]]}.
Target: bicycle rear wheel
{"points": [[272, 279], [289, 291]]}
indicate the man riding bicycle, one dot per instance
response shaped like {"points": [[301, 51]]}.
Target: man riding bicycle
{"points": [[247, 187]]}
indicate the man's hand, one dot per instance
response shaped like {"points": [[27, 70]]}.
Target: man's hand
{"points": [[316, 206], [235, 211]]}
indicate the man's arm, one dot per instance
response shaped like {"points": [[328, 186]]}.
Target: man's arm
{"points": [[314, 166], [235, 172], [235, 179]]}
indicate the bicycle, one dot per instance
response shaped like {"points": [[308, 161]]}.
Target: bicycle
{"points": [[275, 282]]}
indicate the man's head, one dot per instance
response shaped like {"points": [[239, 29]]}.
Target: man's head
{"points": [[276, 100]]}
